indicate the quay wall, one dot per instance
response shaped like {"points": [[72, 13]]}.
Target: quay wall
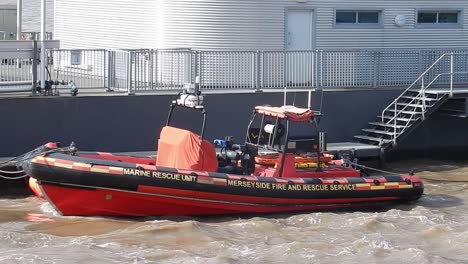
{"points": [[132, 123]]}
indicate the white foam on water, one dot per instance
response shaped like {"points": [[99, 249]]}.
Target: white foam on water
{"points": [[47, 209]]}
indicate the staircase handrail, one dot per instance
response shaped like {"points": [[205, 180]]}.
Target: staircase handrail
{"points": [[445, 73], [409, 119], [411, 85], [416, 101], [425, 88]]}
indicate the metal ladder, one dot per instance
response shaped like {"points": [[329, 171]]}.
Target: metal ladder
{"points": [[409, 109]]}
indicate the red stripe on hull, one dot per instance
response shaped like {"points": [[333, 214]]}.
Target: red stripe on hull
{"points": [[156, 201]]}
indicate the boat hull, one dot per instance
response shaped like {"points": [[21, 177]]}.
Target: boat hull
{"points": [[90, 187], [106, 202]]}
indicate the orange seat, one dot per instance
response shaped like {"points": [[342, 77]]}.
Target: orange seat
{"points": [[181, 149]]}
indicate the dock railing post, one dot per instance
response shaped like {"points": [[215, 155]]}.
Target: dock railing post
{"points": [[104, 57], [451, 74], [34, 67], [129, 72], [150, 68], [155, 59], [395, 125], [285, 73], [375, 55], [195, 66], [258, 70], [200, 69], [110, 71], [321, 68], [253, 69]]}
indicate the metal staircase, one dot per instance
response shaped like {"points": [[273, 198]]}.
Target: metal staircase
{"points": [[411, 108]]}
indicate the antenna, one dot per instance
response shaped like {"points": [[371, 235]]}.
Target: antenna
{"points": [[309, 98]]}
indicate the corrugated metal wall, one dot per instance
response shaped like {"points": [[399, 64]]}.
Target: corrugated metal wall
{"points": [[106, 24], [32, 15], [246, 24], [8, 4]]}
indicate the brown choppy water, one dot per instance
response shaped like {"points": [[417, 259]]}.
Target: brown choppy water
{"points": [[431, 230]]}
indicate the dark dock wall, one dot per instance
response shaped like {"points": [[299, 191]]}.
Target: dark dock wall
{"points": [[132, 123]]}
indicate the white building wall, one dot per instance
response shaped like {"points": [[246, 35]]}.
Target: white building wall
{"points": [[106, 24], [32, 16], [390, 35], [246, 24], [7, 4]]}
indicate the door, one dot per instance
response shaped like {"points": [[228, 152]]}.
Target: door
{"points": [[299, 30], [8, 23], [300, 57]]}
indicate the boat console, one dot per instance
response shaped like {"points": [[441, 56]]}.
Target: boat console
{"points": [[280, 142]]}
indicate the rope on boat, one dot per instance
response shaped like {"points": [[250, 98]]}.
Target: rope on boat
{"points": [[42, 150], [14, 178], [443, 180], [11, 172], [356, 165], [394, 173], [11, 161]]}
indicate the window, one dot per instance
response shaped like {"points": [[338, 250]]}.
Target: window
{"points": [[433, 17], [368, 17], [346, 17], [357, 17]]}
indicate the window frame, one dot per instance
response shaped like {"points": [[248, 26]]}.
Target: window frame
{"points": [[356, 24], [458, 24]]}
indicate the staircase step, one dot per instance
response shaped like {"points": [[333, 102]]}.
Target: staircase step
{"points": [[428, 99], [413, 105], [385, 125], [399, 118], [376, 131], [378, 140], [418, 90], [405, 112]]}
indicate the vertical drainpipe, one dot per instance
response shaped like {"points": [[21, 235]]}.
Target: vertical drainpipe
{"points": [[43, 38], [19, 14]]}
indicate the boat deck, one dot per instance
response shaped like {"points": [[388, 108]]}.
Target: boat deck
{"points": [[359, 150]]}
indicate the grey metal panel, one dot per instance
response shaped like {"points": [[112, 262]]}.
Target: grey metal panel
{"points": [[247, 24]]}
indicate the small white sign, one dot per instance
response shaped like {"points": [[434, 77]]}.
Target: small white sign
{"points": [[75, 57]]}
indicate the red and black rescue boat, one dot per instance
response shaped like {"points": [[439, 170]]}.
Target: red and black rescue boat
{"points": [[188, 177]]}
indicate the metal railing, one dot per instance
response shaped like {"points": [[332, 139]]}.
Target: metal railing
{"points": [[440, 68], [10, 35], [134, 71], [87, 68]]}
